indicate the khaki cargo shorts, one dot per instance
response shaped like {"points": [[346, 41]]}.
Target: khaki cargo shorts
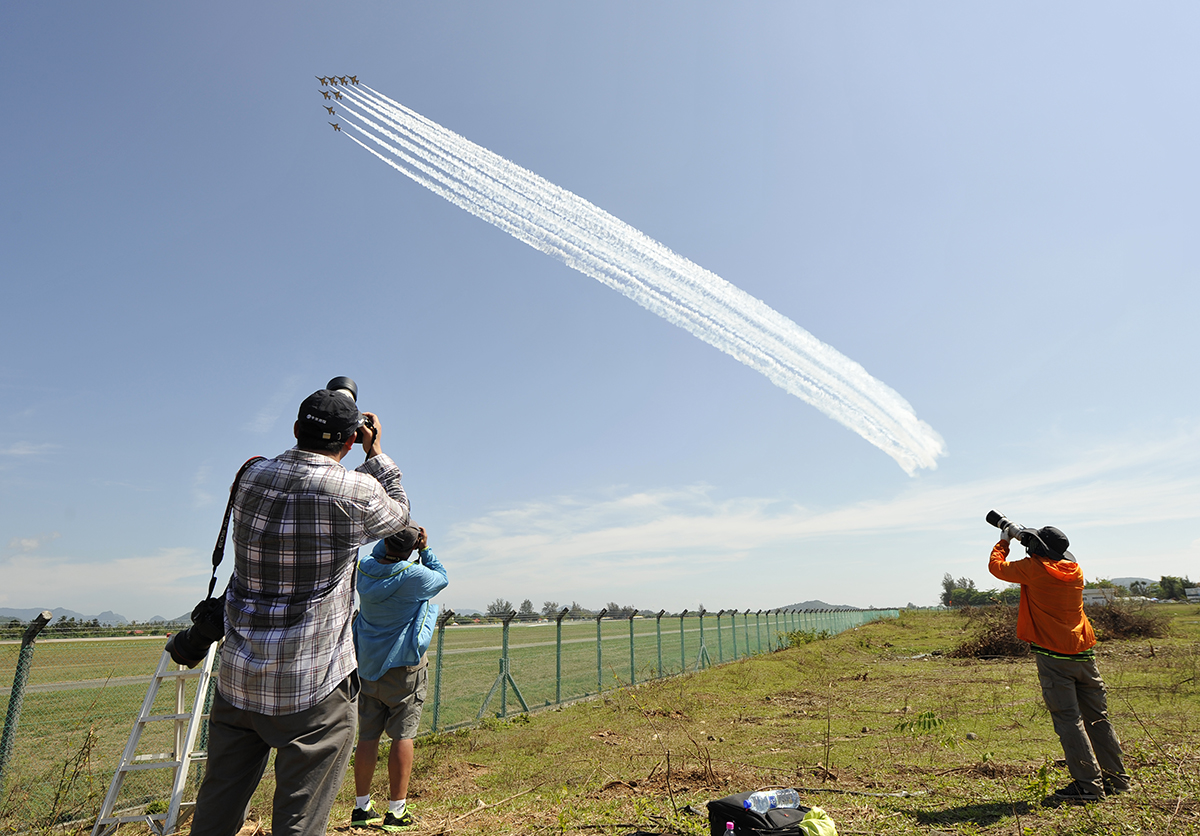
{"points": [[393, 703]]}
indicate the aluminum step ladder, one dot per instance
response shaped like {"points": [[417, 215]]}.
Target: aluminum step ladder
{"points": [[187, 722]]}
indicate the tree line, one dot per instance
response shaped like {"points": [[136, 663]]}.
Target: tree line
{"points": [[961, 592], [550, 609]]}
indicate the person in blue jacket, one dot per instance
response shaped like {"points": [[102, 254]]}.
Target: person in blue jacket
{"points": [[392, 631]]}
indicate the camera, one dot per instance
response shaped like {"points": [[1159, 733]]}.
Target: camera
{"points": [[190, 646], [348, 387], [1012, 529]]}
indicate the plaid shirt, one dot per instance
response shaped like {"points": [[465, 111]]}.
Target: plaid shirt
{"points": [[298, 521]]}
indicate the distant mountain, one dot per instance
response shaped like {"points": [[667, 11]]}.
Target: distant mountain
{"points": [[186, 618], [817, 605], [1125, 582], [106, 617]]}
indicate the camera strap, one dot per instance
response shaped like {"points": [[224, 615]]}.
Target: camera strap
{"points": [[219, 550]]}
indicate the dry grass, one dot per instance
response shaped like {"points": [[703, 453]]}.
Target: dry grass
{"points": [[879, 725]]}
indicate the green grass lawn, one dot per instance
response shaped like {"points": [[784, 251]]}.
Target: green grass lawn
{"points": [[876, 725], [853, 721]]}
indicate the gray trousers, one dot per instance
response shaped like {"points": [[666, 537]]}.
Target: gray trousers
{"points": [[313, 750], [1075, 695]]}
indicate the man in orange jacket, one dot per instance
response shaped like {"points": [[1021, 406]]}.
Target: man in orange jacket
{"points": [[1052, 620]]}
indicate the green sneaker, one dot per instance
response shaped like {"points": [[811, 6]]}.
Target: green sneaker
{"points": [[405, 821], [366, 818]]}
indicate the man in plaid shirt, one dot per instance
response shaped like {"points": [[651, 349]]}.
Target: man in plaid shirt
{"points": [[288, 678]]}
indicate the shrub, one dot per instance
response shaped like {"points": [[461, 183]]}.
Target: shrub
{"points": [[1126, 620], [993, 633]]}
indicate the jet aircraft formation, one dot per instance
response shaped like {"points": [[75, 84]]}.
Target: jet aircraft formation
{"points": [[334, 81]]}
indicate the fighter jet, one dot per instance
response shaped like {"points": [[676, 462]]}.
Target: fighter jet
{"points": [[330, 109], [344, 80], [354, 80], [336, 127], [336, 95], [333, 80], [324, 80], [325, 93]]}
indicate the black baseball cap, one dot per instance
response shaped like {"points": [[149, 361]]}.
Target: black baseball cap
{"points": [[328, 416], [401, 543]]}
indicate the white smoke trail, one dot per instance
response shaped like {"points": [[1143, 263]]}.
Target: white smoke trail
{"points": [[595, 243]]}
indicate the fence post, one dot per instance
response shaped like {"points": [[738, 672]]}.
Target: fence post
{"points": [[733, 626], [682, 651], [758, 629], [746, 630], [720, 648], [632, 671], [17, 696], [702, 657], [558, 656], [599, 655], [658, 632], [443, 617]]}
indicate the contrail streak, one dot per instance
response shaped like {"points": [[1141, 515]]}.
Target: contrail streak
{"points": [[595, 243]]}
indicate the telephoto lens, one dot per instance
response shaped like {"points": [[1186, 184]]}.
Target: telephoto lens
{"points": [[344, 385], [189, 647], [1006, 525]]}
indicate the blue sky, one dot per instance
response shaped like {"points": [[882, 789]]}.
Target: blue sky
{"points": [[991, 208]]}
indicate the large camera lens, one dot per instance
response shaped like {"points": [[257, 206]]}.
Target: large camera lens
{"points": [[190, 646], [187, 647], [344, 384]]}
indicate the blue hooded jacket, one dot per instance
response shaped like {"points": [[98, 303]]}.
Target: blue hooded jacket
{"points": [[396, 619]]}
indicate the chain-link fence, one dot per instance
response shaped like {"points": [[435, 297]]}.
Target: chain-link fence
{"points": [[83, 694]]}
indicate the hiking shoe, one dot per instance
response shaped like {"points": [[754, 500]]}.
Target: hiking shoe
{"points": [[404, 821], [1076, 793], [365, 818]]}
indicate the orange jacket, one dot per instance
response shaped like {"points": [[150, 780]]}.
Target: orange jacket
{"points": [[1051, 612]]}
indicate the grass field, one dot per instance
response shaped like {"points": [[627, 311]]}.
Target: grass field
{"points": [[854, 721], [83, 695], [840, 718]]}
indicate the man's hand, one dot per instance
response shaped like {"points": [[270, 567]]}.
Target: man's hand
{"points": [[422, 539], [371, 431]]}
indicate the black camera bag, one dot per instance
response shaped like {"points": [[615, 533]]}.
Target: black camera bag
{"points": [[781, 821]]}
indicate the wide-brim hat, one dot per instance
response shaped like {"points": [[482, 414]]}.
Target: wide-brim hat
{"points": [[1047, 541]]}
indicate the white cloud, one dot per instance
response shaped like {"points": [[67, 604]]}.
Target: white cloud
{"points": [[167, 582], [25, 448], [689, 544], [25, 545], [200, 497], [283, 399]]}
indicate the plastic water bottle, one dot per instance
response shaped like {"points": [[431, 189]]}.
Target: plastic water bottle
{"points": [[764, 800]]}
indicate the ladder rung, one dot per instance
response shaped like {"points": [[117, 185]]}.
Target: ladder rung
{"points": [[160, 756], [138, 767], [187, 673], [199, 756], [153, 718], [129, 819]]}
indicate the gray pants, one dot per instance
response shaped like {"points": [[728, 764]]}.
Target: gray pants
{"points": [[313, 750], [1075, 695]]}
